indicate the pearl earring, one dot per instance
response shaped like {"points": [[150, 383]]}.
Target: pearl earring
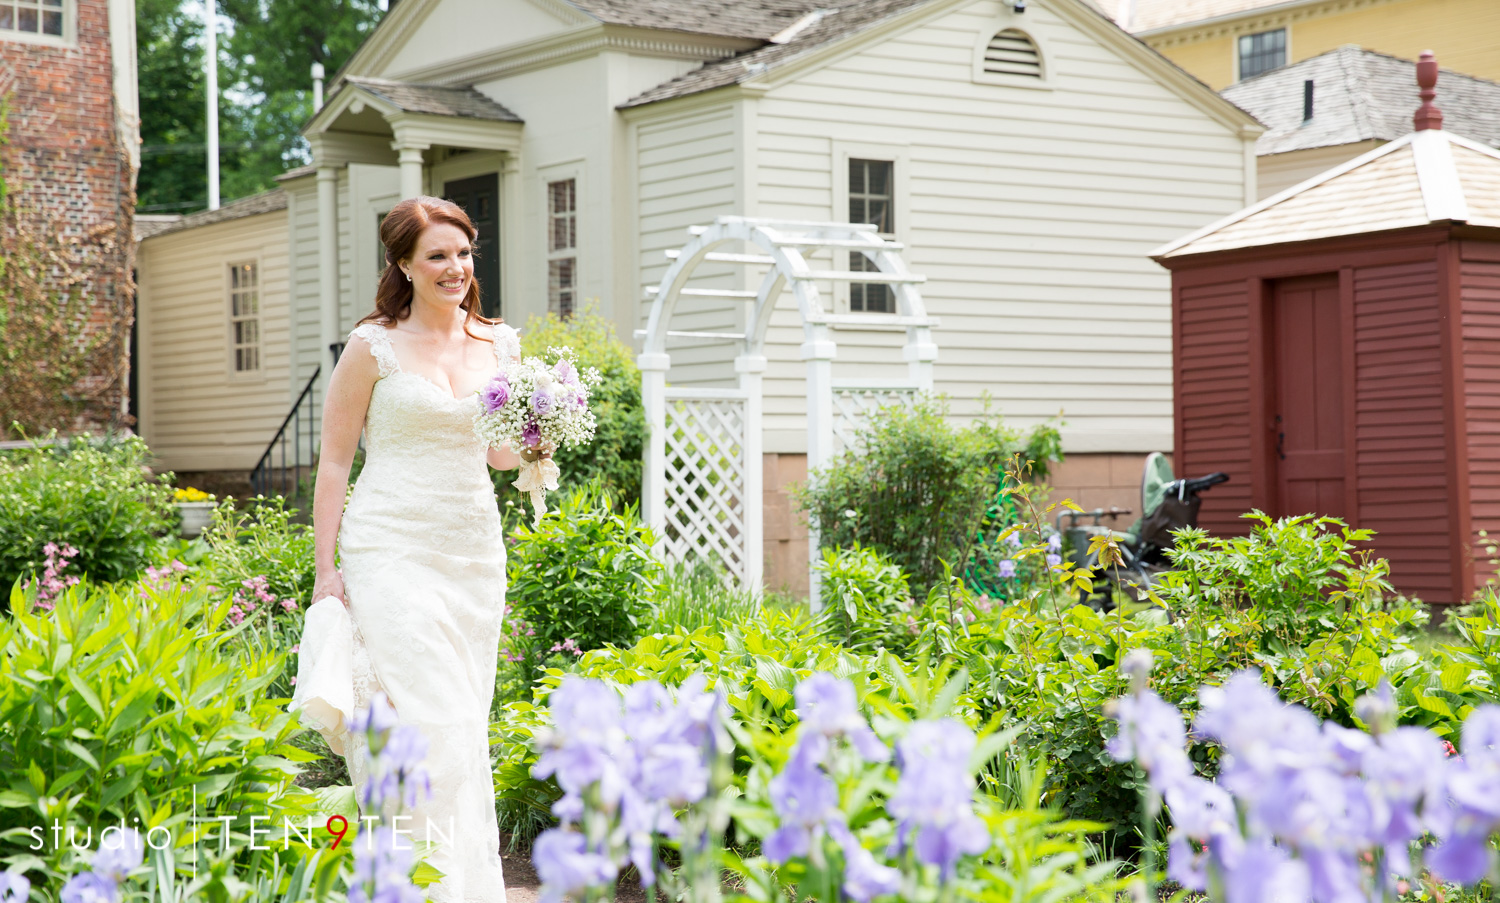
{"points": [[408, 277]]}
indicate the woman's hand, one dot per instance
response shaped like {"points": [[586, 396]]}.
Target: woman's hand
{"points": [[330, 583], [538, 452]]}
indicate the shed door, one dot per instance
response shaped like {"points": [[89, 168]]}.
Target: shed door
{"points": [[1309, 396], [480, 198]]}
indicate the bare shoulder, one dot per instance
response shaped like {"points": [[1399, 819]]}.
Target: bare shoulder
{"points": [[360, 357]]}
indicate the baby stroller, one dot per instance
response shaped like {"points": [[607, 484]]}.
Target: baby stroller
{"points": [[1167, 504]]}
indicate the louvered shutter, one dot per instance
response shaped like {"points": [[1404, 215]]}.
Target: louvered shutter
{"points": [[1011, 52]]}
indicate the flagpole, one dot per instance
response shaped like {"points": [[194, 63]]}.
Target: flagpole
{"points": [[211, 72]]}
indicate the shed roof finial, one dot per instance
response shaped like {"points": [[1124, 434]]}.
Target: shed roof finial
{"points": [[1427, 116]]}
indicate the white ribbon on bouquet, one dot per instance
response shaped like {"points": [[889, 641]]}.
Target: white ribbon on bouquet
{"points": [[539, 473]]}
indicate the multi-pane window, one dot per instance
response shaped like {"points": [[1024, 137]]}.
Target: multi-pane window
{"points": [[871, 200], [1262, 52], [32, 17], [244, 317], [562, 246]]}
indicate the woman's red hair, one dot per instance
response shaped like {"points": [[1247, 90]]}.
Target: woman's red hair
{"points": [[399, 232]]}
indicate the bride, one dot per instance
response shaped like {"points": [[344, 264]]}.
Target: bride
{"points": [[420, 545]]}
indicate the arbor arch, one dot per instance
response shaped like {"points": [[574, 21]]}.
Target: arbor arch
{"points": [[702, 489]]}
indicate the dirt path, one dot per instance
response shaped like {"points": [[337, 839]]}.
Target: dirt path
{"points": [[522, 886]]}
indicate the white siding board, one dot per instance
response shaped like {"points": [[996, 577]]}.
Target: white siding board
{"points": [[204, 418], [1030, 212]]}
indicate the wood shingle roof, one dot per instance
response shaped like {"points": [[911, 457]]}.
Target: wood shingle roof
{"points": [[1358, 95]]}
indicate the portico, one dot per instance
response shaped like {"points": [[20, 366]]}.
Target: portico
{"points": [[401, 140]]}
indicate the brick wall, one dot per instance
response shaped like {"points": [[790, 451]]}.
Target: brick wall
{"points": [[66, 169]]}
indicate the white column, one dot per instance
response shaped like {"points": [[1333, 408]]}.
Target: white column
{"points": [[511, 214], [920, 353], [328, 265], [751, 368], [653, 480], [409, 156], [818, 351]]}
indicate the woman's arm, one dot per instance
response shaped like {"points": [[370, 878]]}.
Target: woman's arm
{"points": [[343, 418], [502, 458]]}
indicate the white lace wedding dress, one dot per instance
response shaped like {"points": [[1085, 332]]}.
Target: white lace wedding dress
{"points": [[422, 553]]}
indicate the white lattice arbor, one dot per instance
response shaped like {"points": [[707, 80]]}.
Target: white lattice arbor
{"points": [[702, 488]]}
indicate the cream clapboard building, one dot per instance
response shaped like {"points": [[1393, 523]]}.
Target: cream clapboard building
{"points": [[1027, 155]]}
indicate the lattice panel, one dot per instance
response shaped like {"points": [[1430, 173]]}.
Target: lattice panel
{"points": [[852, 409], [705, 483]]}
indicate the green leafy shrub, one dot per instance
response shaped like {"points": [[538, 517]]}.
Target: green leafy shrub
{"points": [[1293, 600], [615, 456], [95, 496], [260, 561], [916, 486], [1299, 573], [867, 602], [132, 704], [586, 576]]}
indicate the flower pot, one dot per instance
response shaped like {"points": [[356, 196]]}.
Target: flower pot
{"points": [[195, 517]]}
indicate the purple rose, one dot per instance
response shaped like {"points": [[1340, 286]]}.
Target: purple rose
{"points": [[531, 434], [543, 402], [565, 373], [495, 394]]}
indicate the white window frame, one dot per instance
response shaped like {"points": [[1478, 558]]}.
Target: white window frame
{"points": [[899, 156], [1035, 30], [69, 37], [1250, 32], [546, 176], [259, 373]]}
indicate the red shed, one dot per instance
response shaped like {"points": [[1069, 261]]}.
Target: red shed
{"points": [[1337, 350]]}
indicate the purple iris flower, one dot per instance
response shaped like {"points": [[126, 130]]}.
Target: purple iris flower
{"points": [[1265, 873], [1007, 568], [1151, 733], [543, 402], [377, 719], [935, 796], [531, 434], [805, 800], [385, 863], [90, 887], [14, 887], [1054, 542], [864, 878], [1054, 560], [567, 867], [826, 705], [119, 854], [495, 394]]}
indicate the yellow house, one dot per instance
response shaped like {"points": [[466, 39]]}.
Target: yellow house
{"points": [[1224, 41]]}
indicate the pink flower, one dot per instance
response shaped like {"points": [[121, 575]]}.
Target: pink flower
{"points": [[296, 648], [288, 604], [50, 549], [294, 681]]}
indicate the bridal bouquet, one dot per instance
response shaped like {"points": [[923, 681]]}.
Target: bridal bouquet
{"points": [[536, 408]]}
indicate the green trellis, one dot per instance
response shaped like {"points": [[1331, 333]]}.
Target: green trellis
{"points": [[982, 568]]}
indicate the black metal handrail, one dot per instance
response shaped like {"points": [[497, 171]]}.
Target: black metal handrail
{"points": [[280, 477]]}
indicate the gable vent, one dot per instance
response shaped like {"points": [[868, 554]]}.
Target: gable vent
{"points": [[1011, 52]]}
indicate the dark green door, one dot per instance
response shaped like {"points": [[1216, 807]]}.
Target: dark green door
{"points": [[480, 198]]}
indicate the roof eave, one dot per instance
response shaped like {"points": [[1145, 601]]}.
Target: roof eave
{"points": [[1174, 247], [1212, 21]]}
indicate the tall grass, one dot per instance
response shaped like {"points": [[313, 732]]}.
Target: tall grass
{"points": [[698, 596]]}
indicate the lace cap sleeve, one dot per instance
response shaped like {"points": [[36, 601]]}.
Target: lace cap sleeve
{"points": [[380, 346], [507, 344]]}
